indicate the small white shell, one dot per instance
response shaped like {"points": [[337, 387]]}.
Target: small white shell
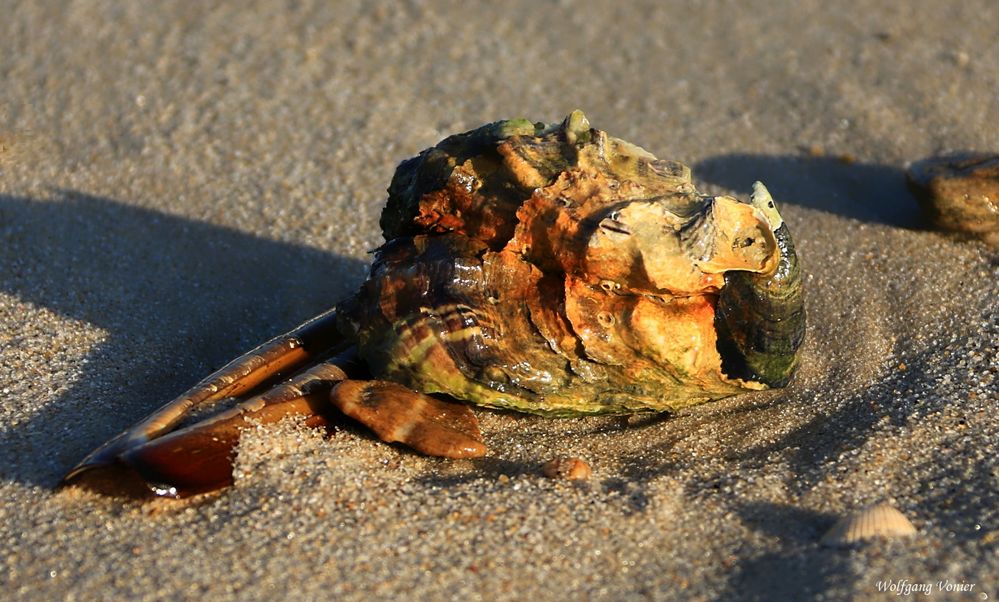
{"points": [[879, 520]]}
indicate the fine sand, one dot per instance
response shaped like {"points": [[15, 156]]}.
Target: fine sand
{"points": [[179, 182]]}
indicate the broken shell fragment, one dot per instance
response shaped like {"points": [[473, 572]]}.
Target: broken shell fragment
{"points": [[569, 468], [397, 414], [960, 193], [879, 520]]}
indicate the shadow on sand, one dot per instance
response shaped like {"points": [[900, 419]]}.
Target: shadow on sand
{"points": [[215, 292], [177, 299], [864, 192]]}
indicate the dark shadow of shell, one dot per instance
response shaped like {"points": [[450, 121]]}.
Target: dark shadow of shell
{"points": [[861, 191], [196, 293]]}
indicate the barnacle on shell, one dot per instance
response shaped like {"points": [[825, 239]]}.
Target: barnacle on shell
{"points": [[543, 268], [552, 268]]}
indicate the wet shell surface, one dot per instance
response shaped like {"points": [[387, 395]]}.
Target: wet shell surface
{"points": [[547, 268], [879, 520], [557, 270]]}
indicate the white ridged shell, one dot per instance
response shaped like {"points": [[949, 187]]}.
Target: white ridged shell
{"points": [[879, 520]]}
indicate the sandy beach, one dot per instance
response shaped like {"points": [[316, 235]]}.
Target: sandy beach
{"points": [[181, 181]]}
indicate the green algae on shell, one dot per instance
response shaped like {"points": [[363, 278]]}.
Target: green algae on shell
{"points": [[550, 269], [555, 269]]}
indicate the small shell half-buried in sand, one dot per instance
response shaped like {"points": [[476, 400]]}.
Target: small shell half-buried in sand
{"points": [[879, 520], [960, 193], [568, 468]]}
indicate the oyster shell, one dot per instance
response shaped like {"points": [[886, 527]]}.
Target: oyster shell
{"points": [[557, 270], [550, 269]]}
